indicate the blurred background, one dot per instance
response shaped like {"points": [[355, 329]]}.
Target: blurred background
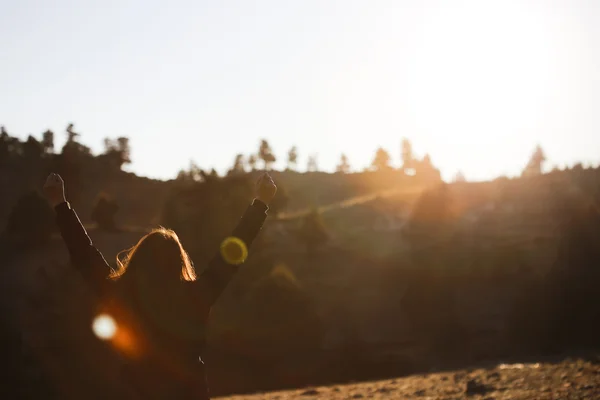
{"points": [[437, 165]]}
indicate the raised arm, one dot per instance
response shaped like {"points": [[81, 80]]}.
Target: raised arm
{"points": [[84, 256], [219, 272]]}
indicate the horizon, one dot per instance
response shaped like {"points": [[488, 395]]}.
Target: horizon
{"points": [[395, 164], [477, 85]]}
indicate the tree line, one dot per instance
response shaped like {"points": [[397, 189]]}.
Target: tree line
{"points": [[25, 163], [117, 153], [265, 158]]}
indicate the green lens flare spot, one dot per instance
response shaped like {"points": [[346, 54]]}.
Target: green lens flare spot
{"points": [[234, 250]]}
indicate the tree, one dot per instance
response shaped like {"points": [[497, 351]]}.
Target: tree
{"points": [[343, 167], [293, 158], [48, 142], [4, 145], [110, 154], [104, 212], [425, 170], [192, 174], [71, 134], [312, 164], [381, 162], [252, 161], [72, 147], [534, 166], [195, 172], [578, 168], [313, 232], [32, 150], [31, 221], [9, 146], [124, 149], [408, 158], [459, 177], [117, 152], [266, 154], [238, 165], [183, 176], [69, 164]]}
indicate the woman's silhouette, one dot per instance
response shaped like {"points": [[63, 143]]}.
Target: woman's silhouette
{"points": [[159, 305]]}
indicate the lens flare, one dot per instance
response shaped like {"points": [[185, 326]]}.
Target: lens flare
{"points": [[104, 326], [234, 250]]}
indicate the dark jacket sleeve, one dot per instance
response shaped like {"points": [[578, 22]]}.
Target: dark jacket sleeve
{"points": [[84, 256], [218, 274]]}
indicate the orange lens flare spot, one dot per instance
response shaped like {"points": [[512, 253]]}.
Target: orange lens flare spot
{"points": [[234, 250]]}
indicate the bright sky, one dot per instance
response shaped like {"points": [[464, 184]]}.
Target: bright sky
{"points": [[475, 83]]}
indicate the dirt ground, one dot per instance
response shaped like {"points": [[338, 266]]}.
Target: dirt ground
{"points": [[566, 380]]}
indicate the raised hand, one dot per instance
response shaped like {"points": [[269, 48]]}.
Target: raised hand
{"points": [[265, 188], [54, 189]]}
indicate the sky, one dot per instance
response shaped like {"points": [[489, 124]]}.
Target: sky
{"points": [[476, 84]]}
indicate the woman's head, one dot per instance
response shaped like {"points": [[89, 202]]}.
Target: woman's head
{"points": [[158, 254]]}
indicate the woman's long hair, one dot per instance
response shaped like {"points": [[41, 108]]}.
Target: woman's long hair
{"points": [[160, 249], [149, 296]]}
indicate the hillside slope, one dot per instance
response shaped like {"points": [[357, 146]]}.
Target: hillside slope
{"points": [[568, 379]]}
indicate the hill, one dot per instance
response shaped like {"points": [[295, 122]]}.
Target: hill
{"points": [[141, 200], [569, 379], [412, 274]]}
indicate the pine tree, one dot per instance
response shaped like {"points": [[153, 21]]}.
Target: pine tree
{"points": [[407, 156], [252, 159], [293, 158], [312, 165], [238, 165], [344, 166], [382, 159], [266, 154]]}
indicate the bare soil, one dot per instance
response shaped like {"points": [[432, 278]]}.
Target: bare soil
{"points": [[568, 379]]}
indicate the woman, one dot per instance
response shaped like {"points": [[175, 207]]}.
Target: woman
{"points": [[159, 305]]}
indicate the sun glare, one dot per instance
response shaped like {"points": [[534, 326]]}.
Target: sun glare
{"points": [[479, 72], [104, 327]]}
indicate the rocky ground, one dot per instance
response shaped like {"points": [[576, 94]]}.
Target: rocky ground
{"points": [[565, 380]]}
